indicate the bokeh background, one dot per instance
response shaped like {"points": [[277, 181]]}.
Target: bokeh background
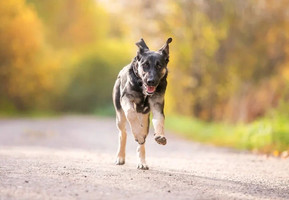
{"points": [[228, 70]]}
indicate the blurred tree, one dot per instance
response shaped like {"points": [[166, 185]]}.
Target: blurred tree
{"points": [[229, 59], [72, 23], [227, 64], [92, 52], [56, 54], [23, 78], [227, 56]]}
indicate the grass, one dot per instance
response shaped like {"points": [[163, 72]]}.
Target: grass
{"points": [[104, 111], [267, 135], [30, 114]]}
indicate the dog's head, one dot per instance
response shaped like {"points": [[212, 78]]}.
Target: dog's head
{"points": [[151, 66]]}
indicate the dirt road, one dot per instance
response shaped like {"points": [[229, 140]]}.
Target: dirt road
{"points": [[72, 158]]}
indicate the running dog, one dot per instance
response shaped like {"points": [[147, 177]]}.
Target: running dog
{"points": [[139, 89]]}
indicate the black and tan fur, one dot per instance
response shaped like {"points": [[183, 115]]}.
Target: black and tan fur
{"points": [[139, 90]]}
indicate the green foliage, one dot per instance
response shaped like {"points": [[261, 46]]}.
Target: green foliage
{"points": [[266, 135], [107, 110], [92, 79]]}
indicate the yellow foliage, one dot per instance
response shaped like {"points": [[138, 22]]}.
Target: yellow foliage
{"points": [[276, 153], [228, 59]]}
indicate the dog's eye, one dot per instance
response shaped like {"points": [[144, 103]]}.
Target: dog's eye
{"points": [[159, 66], [145, 65]]}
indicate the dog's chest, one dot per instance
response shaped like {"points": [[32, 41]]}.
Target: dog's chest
{"points": [[139, 102], [142, 105]]}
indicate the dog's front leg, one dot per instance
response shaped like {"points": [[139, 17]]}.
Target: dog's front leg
{"points": [[139, 124], [141, 157], [157, 107]]}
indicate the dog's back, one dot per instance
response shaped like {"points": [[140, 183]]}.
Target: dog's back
{"points": [[119, 83]]}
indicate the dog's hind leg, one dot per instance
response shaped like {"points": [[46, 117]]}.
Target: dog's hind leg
{"points": [[120, 123]]}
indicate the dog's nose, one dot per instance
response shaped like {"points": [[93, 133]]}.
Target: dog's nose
{"points": [[151, 82]]}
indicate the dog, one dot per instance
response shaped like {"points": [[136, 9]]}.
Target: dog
{"points": [[139, 89]]}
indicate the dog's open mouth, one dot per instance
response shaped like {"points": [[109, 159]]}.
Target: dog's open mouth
{"points": [[150, 89]]}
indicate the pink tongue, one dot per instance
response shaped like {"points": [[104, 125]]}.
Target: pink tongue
{"points": [[151, 89]]}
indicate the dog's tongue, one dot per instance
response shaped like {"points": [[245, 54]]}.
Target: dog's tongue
{"points": [[150, 89]]}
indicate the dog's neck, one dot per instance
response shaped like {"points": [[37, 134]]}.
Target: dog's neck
{"points": [[136, 85], [134, 65]]}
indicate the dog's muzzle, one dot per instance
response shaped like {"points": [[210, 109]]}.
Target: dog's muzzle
{"points": [[150, 89]]}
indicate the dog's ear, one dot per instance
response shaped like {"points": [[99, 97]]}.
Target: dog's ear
{"points": [[165, 49], [142, 47]]}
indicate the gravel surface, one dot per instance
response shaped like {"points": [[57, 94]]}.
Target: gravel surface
{"points": [[72, 157]]}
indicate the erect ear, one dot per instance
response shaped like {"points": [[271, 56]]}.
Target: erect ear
{"points": [[142, 47], [165, 48]]}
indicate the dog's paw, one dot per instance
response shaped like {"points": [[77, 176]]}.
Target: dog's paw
{"points": [[161, 140], [120, 161], [142, 166]]}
